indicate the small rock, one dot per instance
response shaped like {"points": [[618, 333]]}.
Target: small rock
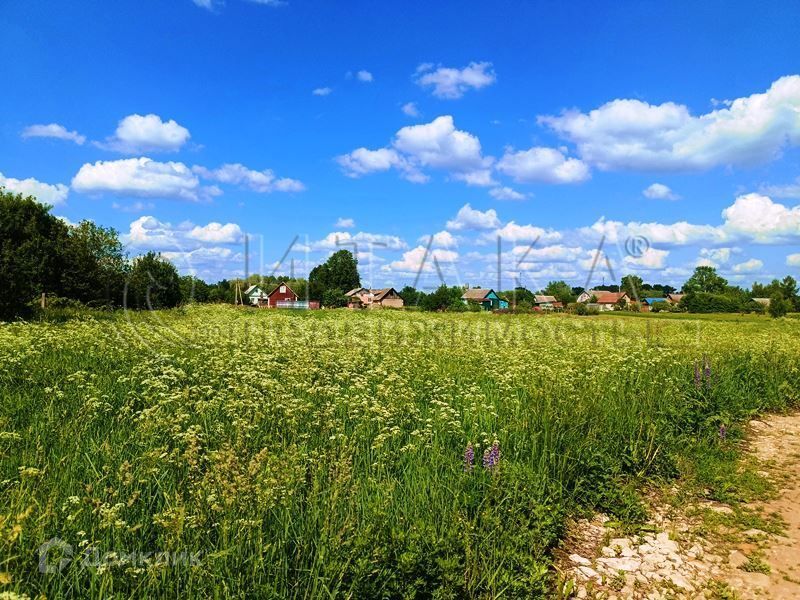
{"points": [[580, 560], [680, 581], [588, 572], [736, 559], [621, 564], [721, 508], [755, 533], [608, 552]]}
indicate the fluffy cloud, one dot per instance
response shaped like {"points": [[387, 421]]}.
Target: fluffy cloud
{"points": [[143, 178], [410, 109], [556, 254], [217, 233], [148, 133], [452, 83], [45, 193], [53, 130], [512, 232], [714, 257], [364, 76], [677, 234], [420, 259], [789, 190], [338, 240], [506, 193], [547, 165], [758, 218], [793, 260], [344, 223], [321, 91], [651, 258], [362, 161], [263, 182], [748, 266], [470, 218], [634, 135], [659, 191], [438, 145], [442, 239]]}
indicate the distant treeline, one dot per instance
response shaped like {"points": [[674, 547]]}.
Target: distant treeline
{"points": [[86, 264]]}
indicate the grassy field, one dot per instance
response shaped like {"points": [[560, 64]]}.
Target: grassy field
{"points": [[328, 454]]}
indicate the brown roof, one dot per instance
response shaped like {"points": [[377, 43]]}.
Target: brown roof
{"points": [[475, 294], [675, 297], [380, 294], [608, 297], [543, 299], [355, 291]]}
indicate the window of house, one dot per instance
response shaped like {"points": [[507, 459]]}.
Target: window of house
{"points": [[283, 289]]}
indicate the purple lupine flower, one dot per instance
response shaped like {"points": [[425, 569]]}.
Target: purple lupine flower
{"points": [[723, 432], [491, 456], [469, 458], [706, 368], [697, 377]]}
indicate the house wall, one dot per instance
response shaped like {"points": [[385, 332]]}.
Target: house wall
{"points": [[392, 302], [278, 296]]}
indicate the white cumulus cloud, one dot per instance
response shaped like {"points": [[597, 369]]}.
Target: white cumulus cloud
{"points": [[53, 130], [659, 191], [547, 165], [344, 223], [420, 259], [506, 193], [451, 83], [264, 182], [437, 145], [146, 133], [321, 91], [410, 109], [793, 260], [45, 193], [628, 134], [469, 218], [748, 266], [218, 233], [141, 177]]}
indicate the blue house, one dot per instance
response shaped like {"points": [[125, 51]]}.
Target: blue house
{"points": [[648, 302], [487, 298]]}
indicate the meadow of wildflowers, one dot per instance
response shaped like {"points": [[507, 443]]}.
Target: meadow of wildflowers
{"points": [[350, 454]]}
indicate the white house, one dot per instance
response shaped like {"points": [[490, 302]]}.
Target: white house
{"points": [[254, 293]]}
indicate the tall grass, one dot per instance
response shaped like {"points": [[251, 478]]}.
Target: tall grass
{"points": [[312, 455]]}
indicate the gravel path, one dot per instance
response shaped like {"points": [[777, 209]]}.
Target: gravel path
{"points": [[677, 558]]}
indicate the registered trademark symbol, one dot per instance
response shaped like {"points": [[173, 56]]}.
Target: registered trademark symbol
{"points": [[637, 245]]}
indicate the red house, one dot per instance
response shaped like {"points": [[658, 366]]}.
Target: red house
{"points": [[282, 293]]}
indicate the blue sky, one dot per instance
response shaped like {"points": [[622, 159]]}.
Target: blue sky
{"points": [[553, 126]]}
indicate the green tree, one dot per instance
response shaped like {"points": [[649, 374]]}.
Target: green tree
{"points": [[339, 272], [561, 290], [154, 283], [333, 298], [411, 296], [705, 279], [194, 289], [94, 265], [633, 285], [30, 253], [778, 305], [444, 298], [789, 290]]}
